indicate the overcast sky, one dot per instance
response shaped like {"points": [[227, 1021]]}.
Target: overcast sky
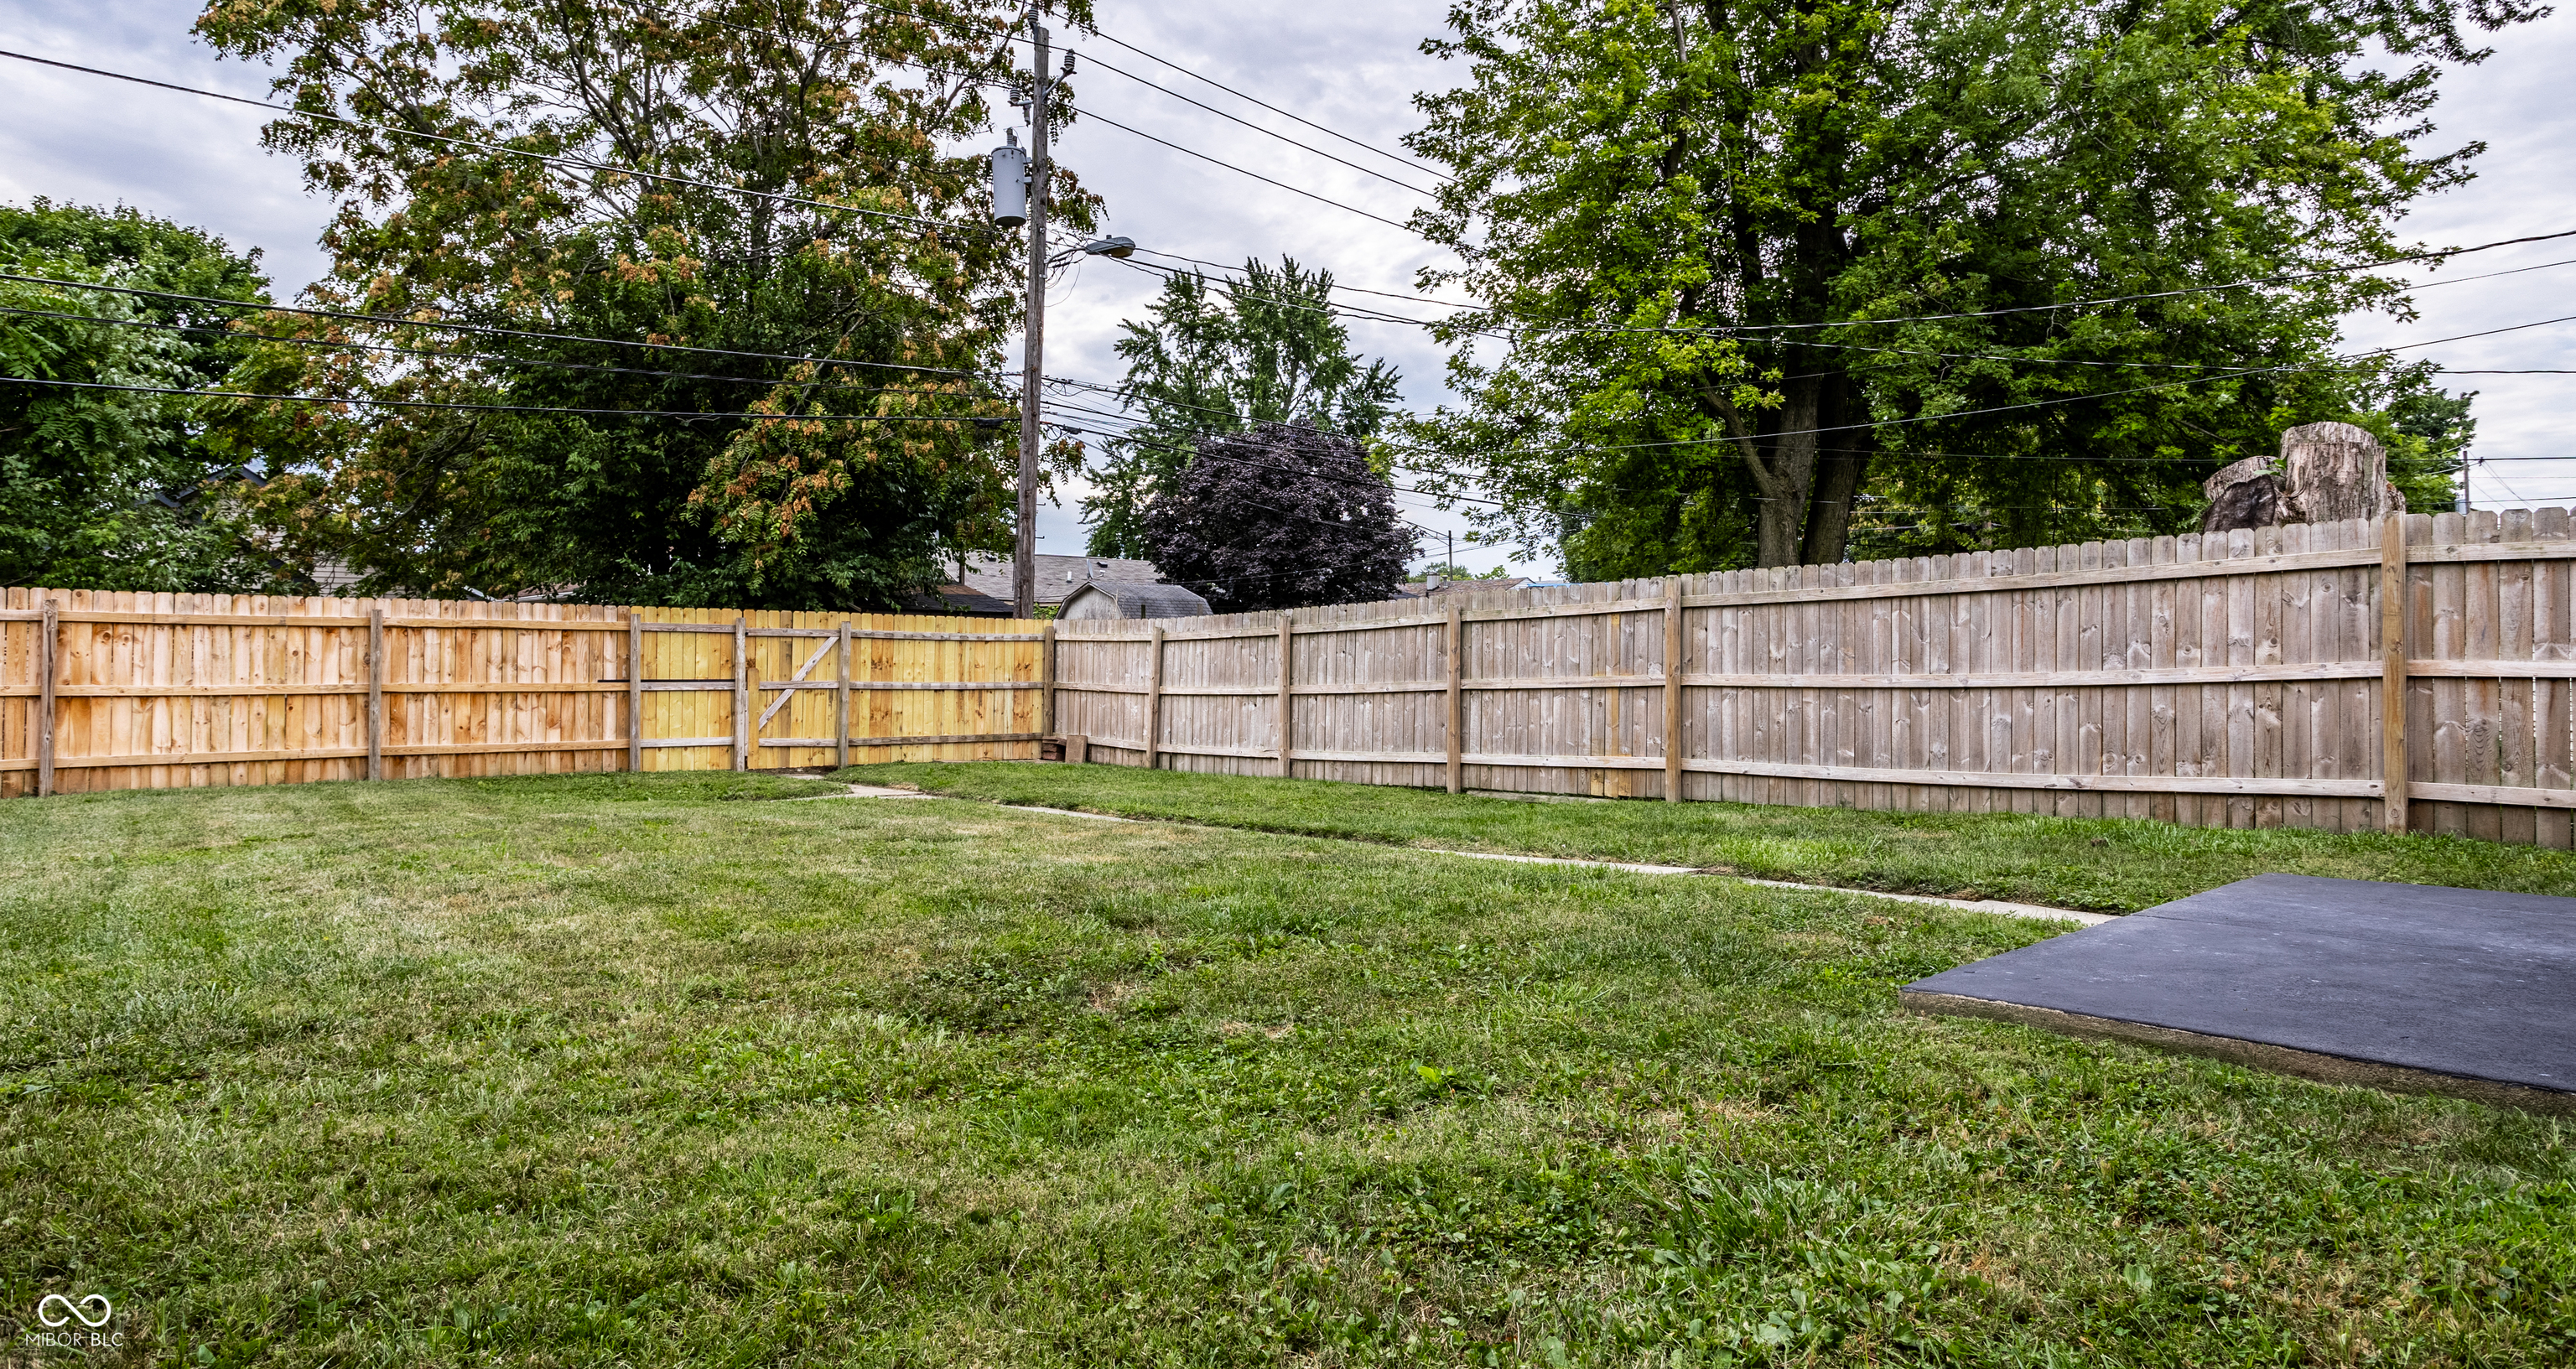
{"points": [[1350, 67]]}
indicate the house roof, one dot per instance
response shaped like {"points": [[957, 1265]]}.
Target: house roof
{"points": [[1413, 589], [1148, 600], [1058, 576], [960, 600]]}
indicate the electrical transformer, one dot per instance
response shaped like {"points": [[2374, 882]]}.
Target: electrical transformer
{"points": [[1011, 185]]}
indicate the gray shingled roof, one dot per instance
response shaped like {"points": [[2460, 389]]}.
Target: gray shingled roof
{"points": [[1058, 576], [1148, 600]]}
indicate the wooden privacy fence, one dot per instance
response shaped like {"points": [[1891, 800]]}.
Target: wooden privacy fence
{"points": [[105, 690], [2237, 679]]}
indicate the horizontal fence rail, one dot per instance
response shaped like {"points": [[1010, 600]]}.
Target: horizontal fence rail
{"points": [[2239, 679], [103, 690]]}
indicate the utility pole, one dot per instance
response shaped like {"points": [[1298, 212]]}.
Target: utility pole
{"points": [[1024, 562]]}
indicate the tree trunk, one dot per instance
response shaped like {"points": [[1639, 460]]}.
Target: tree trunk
{"points": [[1842, 460], [1784, 474]]}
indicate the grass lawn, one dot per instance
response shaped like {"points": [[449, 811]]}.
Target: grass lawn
{"points": [[2113, 865], [663, 1071]]}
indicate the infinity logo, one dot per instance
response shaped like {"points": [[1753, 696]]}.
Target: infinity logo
{"points": [[72, 1309]]}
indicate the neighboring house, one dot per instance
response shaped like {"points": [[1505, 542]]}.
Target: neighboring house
{"points": [[333, 576], [958, 600], [1131, 599], [1058, 576]]}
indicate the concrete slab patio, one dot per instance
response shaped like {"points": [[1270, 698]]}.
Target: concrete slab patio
{"points": [[2403, 986]]}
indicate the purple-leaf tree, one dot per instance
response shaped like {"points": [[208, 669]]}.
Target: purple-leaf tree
{"points": [[1282, 516]]}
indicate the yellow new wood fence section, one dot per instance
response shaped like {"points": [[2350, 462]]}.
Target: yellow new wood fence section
{"points": [[104, 690], [2236, 680]]}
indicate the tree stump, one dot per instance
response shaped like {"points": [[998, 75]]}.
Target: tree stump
{"points": [[2244, 495], [2326, 473], [2334, 472]]}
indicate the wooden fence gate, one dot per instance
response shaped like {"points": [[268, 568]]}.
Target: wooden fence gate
{"points": [[103, 690]]}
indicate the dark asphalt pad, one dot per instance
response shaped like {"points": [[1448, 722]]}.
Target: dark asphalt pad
{"points": [[2396, 985]]}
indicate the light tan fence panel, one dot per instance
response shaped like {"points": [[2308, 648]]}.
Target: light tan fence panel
{"points": [[2142, 678], [1220, 705], [1103, 669]]}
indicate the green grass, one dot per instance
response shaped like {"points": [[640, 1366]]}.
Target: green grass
{"points": [[2113, 865], [604, 1071]]}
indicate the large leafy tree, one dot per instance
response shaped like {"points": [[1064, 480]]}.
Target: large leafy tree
{"points": [[119, 488], [848, 230], [1749, 264], [1280, 516], [1224, 357]]}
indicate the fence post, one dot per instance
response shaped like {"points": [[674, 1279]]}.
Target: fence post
{"points": [[634, 691], [1457, 728], [376, 693], [841, 703], [2392, 672], [46, 651], [1046, 677], [1673, 672], [1287, 695], [741, 693], [1154, 702]]}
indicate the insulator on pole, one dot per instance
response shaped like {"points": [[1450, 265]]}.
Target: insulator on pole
{"points": [[1011, 185]]}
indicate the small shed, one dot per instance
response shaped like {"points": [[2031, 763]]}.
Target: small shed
{"points": [[1131, 599]]}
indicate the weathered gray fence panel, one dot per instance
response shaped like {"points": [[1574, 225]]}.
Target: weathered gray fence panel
{"points": [[2232, 680]]}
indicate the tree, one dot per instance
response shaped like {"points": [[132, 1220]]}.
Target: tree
{"points": [[1748, 262], [118, 489], [1224, 357], [850, 233], [1282, 516]]}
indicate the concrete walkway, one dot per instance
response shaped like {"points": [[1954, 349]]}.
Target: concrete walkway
{"points": [[1987, 905]]}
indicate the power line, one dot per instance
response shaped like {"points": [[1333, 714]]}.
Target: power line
{"points": [[1408, 161], [1012, 36], [600, 167], [2053, 402], [1374, 485], [499, 408], [1304, 147], [549, 158], [487, 330], [1508, 315], [1130, 436], [2248, 284], [1149, 85], [477, 358], [1080, 114], [1243, 171], [1353, 289], [1236, 285]]}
